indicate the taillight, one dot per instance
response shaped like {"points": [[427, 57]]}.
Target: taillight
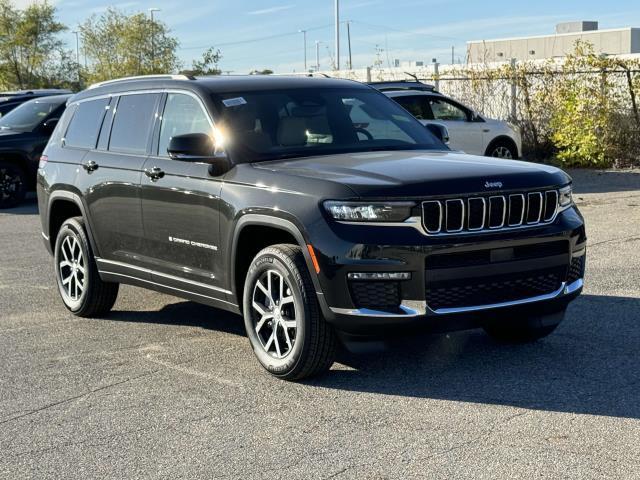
{"points": [[43, 161]]}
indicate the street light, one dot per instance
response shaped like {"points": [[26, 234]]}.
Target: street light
{"points": [[318, 42], [304, 33], [77, 34], [153, 38]]}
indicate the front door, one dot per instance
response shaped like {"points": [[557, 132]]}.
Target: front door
{"points": [[464, 133], [180, 205]]}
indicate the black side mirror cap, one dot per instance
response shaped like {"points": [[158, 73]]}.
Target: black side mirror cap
{"points": [[439, 131], [198, 148]]}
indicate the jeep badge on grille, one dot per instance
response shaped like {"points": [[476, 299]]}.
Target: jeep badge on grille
{"points": [[489, 184]]}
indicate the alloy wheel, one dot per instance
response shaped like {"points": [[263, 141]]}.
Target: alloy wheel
{"points": [[10, 183], [72, 268], [274, 314], [502, 152]]}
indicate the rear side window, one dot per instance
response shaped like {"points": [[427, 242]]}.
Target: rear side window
{"points": [[85, 125], [133, 123]]}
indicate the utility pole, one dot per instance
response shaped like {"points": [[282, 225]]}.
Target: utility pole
{"points": [[304, 34], [77, 34], [349, 43], [337, 5], [318, 42], [153, 39], [453, 54]]}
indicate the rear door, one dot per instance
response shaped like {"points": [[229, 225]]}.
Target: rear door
{"points": [[180, 205], [111, 175]]}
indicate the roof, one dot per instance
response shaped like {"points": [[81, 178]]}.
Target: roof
{"points": [[216, 84], [402, 85]]}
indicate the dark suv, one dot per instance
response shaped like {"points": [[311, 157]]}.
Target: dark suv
{"points": [[24, 132], [317, 208]]}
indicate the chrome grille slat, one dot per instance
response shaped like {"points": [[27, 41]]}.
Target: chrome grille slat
{"points": [[490, 213]]}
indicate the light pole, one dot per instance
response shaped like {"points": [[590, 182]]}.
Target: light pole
{"points": [[77, 34], [337, 8], [153, 39], [349, 44], [318, 42], [304, 34]]}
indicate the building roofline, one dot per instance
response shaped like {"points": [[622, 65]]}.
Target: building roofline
{"points": [[587, 32]]}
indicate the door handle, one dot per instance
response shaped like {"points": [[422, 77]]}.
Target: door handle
{"points": [[486, 130], [154, 173], [90, 166]]}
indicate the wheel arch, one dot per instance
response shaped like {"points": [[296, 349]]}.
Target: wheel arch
{"points": [[272, 230], [502, 139], [64, 204]]}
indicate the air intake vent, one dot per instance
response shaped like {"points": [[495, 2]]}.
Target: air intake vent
{"points": [[476, 214]]}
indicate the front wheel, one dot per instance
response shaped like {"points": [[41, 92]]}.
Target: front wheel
{"points": [[529, 329], [12, 185], [282, 317]]}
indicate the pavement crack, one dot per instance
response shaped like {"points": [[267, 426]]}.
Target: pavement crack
{"points": [[76, 397]]}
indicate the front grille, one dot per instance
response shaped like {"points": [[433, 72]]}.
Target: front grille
{"points": [[486, 213], [576, 269], [375, 295], [493, 289]]}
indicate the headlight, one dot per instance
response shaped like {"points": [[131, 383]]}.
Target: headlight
{"points": [[565, 199], [369, 212]]}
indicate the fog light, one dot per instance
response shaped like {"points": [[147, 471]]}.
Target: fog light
{"points": [[379, 276]]}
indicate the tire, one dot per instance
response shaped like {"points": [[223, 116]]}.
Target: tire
{"points": [[82, 290], [502, 149], [290, 349], [12, 185], [531, 329]]}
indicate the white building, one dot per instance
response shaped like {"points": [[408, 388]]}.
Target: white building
{"points": [[617, 41]]}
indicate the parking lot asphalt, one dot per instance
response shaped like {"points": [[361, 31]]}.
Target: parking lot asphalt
{"points": [[165, 388]]}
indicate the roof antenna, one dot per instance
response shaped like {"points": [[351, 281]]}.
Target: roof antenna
{"points": [[412, 75]]}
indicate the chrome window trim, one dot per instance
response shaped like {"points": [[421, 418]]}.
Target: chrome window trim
{"points": [[504, 211], [484, 214], [446, 218], [529, 195], [524, 207]]}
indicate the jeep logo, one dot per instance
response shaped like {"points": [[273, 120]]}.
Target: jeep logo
{"points": [[489, 184]]}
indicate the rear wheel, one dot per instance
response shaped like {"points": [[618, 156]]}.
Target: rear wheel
{"points": [[282, 317], [530, 329], [12, 185], [502, 149], [79, 284]]}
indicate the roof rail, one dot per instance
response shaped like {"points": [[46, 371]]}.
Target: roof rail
{"points": [[142, 77]]}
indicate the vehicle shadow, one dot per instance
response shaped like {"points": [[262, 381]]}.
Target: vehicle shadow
{"points": [[27, 207], [590, 365], [189, 314], [604, 181]]}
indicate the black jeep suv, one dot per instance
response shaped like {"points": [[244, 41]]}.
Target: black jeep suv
{"points": [[316, 208], [24, 132]]}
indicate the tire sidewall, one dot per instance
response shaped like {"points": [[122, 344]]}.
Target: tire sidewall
{"points": [[74, 228], [264, 261], [504, 144]]}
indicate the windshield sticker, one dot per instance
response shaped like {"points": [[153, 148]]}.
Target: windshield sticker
{"points": [[234, 102]]}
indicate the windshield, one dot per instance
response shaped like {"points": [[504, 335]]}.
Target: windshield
{"points": [[269, 125], [29, 115]]}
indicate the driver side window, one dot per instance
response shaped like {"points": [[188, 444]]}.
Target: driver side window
{"points": [[182, 114], [443, 110]]}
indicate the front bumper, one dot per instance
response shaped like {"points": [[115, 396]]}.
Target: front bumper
{"points": [[432, 298]]}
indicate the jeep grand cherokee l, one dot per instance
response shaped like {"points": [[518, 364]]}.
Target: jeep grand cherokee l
{"points": [[310, 206]]}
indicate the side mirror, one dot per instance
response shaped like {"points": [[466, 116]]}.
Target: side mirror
{"points": [[439, 131], [50, 125], [198, 148]]}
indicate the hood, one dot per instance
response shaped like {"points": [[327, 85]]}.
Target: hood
{"points": [[421, 173]]}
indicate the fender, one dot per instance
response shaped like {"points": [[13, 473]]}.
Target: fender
{"points": [[77, 200], [506, 138], [279, 222]]}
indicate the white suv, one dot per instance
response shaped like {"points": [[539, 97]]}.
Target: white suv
{"points": [[468, 131]]}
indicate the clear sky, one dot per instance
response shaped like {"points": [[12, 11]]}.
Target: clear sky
{"points": [[255, 34]]}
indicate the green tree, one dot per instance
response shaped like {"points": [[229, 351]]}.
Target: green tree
{"points": [[120, 45], [30, 46], [208, 65]]}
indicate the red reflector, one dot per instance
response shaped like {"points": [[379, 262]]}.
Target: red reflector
{"points": [[43, 161]]}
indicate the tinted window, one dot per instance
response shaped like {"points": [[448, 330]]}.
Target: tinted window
{"points": [[85, 125], [443, 110], [416, 106], [29, 115], [182, 114], [266, 125], [133, 122]]}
